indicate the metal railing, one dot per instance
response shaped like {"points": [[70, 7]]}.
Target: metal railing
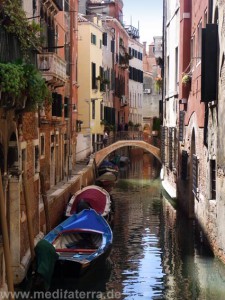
{"points": [[129, 135]]}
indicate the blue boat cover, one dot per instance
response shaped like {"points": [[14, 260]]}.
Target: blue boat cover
{"points": [[87, 219], [106, 163]]}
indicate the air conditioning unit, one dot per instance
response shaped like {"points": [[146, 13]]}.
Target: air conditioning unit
{"points": [[147, 91], [123, 100]]}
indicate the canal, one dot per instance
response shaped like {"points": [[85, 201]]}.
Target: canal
{"points": [[157, 253]]}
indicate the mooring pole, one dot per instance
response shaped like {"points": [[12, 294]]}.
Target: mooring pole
{"points": [[29, 216], [6, 247]]}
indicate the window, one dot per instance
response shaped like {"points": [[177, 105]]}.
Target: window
{"points": [[93, 108], [164, 131], [195, 175], [93, 69], [101, 111], [23, 160], [42, 145], [167, 75], [176, 70], [199, 49], [212, 179], [93, 39], [100, 44], [184, 165], [172, 148], [36, 159], [104, 38], [181, 126], [192, 52], [113, 46]]}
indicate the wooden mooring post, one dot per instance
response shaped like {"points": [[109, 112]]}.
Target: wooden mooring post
{"points": [[6, 247]]}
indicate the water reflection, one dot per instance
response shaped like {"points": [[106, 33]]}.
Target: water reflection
{"points": [[157, 252]]}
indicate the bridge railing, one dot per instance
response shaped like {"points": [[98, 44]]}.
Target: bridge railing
{"points": [[133, 135]]}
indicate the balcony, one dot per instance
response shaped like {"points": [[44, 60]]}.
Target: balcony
{"points": [[53, 68], [53, 6]]}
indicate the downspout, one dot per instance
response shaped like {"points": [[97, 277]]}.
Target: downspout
{"points": [[6, 248], [70, 125]]}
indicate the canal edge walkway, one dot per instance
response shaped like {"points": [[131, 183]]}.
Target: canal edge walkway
{"points": [[57, 198]]}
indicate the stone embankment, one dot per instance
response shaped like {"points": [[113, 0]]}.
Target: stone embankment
{"points": [[83, 175]]}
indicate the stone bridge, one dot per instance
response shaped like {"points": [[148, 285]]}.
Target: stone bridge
{"points": [[101, 154]]}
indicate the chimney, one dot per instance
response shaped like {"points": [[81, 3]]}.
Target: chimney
{"points": [[151, 50], [144, 48]]}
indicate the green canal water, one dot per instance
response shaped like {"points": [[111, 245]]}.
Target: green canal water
{"points": [[157, 253]]}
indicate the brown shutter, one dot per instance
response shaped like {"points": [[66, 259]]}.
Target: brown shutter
{"points": [[195, 174]]}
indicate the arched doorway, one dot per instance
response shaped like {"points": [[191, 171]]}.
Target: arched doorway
{"points": [[191, 198]]}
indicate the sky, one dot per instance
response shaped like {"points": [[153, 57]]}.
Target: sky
{"points": [[149, 13]]}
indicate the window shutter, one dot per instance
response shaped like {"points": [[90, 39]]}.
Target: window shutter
{"points": [[93, 71], [51, 39], [181, 126], [184, 164], [171, 148], [130, 72], [164, 131], [195, 174], [104, 38], [209, 65], [57, 105], [130, 51], [113, 46]]}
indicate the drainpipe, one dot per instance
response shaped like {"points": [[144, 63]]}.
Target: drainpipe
{"points": [[72, 78], [6, 248]]}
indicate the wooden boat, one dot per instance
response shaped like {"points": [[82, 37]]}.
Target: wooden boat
{"points": [[120, 160], [81, 241], [91, 196], [107, 166], [124, 160], [106, 179]]}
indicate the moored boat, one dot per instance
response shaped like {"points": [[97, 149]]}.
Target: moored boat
{"points": [[106, 179], [81, 241], [107, 166], [91, 196]]}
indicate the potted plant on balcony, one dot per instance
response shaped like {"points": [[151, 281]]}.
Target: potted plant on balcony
{"points": [[12, 83], [37, 90], [186, 79], [22, 87]]}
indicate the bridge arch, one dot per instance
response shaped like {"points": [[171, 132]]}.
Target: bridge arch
{"points": [[101, 154]]}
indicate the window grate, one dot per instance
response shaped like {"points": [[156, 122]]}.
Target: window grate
{"points": [[195, 174], [213, 178], [164, 133], [181, 126]]}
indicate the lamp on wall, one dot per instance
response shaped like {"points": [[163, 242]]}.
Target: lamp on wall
{"points": [[74, 106], [183, 101]]}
